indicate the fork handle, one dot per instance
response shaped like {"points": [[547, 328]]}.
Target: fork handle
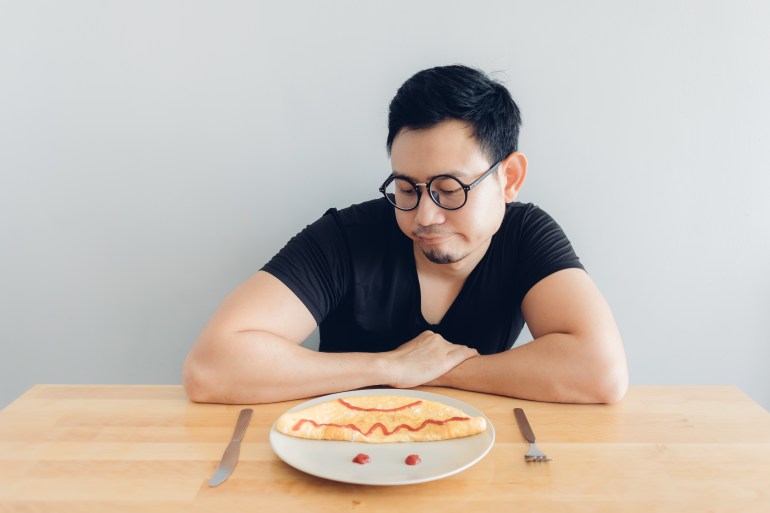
{"points": [[524, 426]]}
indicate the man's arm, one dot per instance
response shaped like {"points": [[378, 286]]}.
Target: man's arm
{"points": [[576, 356], [250, 352]]}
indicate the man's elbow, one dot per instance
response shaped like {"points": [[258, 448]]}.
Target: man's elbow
{"points": [[611, 380], [196, 385], [201, 382], [603, 378], [205, 382], [612, 386]]}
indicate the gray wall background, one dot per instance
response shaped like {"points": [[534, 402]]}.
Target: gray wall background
{"points": [[154, 154]]}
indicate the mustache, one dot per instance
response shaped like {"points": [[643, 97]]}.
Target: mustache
{"points": [[430, 231]]}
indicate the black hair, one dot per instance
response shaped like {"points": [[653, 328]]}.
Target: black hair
{"points": [[458, 92]]}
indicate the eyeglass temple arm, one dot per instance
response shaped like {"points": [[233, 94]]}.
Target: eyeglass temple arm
{"points": [[479, 179]]}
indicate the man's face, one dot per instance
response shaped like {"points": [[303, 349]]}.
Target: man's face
{"points": [[448, 236]]}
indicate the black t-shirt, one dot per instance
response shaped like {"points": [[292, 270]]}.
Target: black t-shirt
{"points": [[354, 270]]}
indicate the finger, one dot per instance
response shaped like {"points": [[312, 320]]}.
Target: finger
{"points": [[464, 349], [461, 354]]}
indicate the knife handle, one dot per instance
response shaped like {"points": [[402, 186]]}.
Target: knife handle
{"points": [[243, 422], [524, 426]]}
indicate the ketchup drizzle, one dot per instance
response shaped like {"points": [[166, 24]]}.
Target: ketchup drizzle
{"points": [[380, 425], [358, 408]]}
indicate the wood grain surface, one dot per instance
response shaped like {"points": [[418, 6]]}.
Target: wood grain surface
{"points": [[148, 448]]}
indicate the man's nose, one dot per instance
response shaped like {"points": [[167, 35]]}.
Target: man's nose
{"points": [[428, 213]]}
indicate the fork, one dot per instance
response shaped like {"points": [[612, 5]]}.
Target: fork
{"points": [[533, 454]]}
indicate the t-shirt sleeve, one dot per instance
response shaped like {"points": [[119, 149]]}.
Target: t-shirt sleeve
{"points": [[314, 264], [544, 249]]}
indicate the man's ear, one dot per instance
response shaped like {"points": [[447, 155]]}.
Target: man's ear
{"points": [[514, 169]]}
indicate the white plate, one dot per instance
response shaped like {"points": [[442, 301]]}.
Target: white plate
{"points": [[333, 459]]}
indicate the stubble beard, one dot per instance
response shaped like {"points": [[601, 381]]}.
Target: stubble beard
{"points": [[439, 257]]}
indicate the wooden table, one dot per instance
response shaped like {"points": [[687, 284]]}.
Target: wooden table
{"points": [[147, 448]]}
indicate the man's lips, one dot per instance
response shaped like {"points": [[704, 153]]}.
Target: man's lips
{"points": [[432, 239]]}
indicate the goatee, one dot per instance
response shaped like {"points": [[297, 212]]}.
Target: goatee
{"points": [[438, 257]]}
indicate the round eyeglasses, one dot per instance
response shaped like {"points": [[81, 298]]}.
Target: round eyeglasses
{"points": [[446, 191]]}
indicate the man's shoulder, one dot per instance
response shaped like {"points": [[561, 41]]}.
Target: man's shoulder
{"points": [[525, 223], [368, 213], [521, 213]]}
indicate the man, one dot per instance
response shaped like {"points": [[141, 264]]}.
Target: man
{"points": [[428, 285]]}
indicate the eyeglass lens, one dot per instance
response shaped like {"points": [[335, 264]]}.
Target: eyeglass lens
{"points": [[446, 191]]}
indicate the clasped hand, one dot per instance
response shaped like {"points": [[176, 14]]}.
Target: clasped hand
{"points": [[425, 358]]}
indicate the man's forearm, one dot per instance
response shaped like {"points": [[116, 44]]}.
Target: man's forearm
{"points": [[256, 367], [259, 367], [557, 367]]}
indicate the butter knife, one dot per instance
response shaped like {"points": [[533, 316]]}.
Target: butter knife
{"points": [[230, 457]]}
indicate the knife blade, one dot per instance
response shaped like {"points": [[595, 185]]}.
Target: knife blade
{"points": [[230, 456]]}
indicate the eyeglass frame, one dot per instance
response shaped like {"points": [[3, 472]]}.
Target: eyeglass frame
{"points": [[427, 185]]}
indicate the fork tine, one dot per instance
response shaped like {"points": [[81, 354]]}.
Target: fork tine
{"points": [[535, 454]]}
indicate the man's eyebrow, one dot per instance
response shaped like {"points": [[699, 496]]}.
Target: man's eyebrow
{"points": [[452, 172]]}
